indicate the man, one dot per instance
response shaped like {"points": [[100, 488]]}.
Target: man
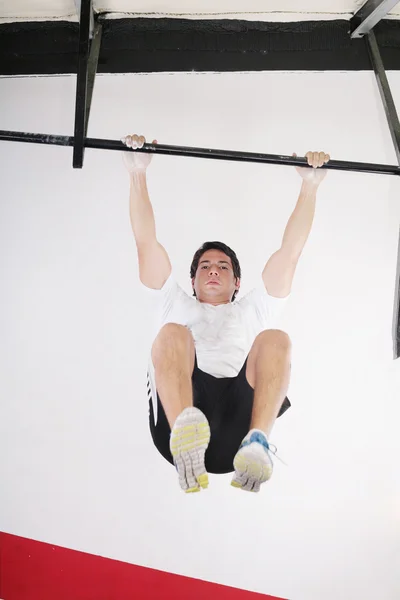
{"points": [[218, 418]]}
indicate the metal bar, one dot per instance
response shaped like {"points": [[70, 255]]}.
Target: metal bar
{"points": [[369, 15], [61, 140], [384, 89], [273, 159], [394, 127], [78, 10], [81, 84], [92, 70], [396, 309]]}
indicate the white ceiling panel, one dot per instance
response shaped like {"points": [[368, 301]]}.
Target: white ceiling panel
{"points": [[264, 10], [37, 10], [249, 7]]}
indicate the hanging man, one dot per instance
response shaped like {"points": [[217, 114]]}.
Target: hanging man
{"points": [[218, 372]]}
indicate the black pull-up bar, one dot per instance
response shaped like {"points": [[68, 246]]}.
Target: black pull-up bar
{"points": [[272, 159]]}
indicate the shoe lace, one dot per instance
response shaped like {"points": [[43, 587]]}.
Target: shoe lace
{"points": [[273, 449]]}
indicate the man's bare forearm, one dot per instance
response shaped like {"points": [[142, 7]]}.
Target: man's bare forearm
{"points": [[141, 210], [299, 225]]}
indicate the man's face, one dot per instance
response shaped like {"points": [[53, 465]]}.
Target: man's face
{"points": [[215, 282]]}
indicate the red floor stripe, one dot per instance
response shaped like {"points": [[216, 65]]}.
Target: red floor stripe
{"points": [[31, 570]]}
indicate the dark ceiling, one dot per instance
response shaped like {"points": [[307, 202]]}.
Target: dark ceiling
{"points": [[153, 45]]}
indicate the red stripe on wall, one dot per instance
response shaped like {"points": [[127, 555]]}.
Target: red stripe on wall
{"points": [[31, 570]]}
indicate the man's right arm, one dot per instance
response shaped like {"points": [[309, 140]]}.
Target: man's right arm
{"points": [[140, 209], [154, 263]]}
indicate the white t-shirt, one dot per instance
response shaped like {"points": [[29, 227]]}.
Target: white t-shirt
{"points": [[223, 335]]}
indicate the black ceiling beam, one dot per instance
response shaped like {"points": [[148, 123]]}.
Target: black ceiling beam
{"points": [[396, 311], [78, 4], [369, 15], [174, 45], [385, 92], [87, 67], [394, 127]]}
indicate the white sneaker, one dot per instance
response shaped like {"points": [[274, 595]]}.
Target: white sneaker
{"points": [[253, 464], [188, 443]]}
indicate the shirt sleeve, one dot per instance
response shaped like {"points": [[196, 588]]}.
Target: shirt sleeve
{"points": [[265, 308], [170, 304], [162, 300]]}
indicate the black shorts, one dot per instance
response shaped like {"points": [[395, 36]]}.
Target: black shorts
{"points": [[227, 403]]}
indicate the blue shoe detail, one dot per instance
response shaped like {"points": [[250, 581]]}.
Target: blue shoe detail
{"points": [[258, 437]]}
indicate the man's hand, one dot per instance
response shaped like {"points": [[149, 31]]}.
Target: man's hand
{"points": [[136, 161], [316, 160]]}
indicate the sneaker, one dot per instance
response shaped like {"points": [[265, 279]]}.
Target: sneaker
{"points": [[253, 464], [188, 443]]}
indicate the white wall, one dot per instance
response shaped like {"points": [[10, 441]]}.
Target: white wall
{"points": [[77, 464]]}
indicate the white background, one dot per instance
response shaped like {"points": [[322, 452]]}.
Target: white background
{"points": [[77, 464]]}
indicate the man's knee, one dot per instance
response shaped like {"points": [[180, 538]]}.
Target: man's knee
{"points": [[172, 332], [275, 334], [170, 338]]}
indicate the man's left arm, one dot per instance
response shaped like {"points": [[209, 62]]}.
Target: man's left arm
{"points": [[279, 271]]}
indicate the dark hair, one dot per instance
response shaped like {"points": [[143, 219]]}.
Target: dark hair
{"points": [[216, 246]]}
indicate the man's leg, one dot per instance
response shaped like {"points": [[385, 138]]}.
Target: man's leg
{"points": [[268, 373], [173, 356], [173, 359], [272, 360]]}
